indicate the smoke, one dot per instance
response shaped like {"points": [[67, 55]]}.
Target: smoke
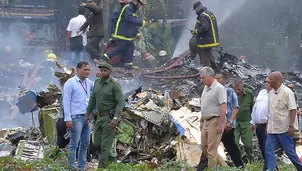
{"points": [[222, 9], [266, 32], [22, 46], [268, 35]]}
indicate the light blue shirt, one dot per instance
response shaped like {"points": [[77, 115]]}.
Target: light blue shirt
{"points": [[75, 96], [232, 102]]}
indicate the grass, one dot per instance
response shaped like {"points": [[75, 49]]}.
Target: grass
{"points": [[49, 164]]}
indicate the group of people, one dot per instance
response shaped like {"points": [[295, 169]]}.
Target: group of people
{"points": [[229, 115], [85, 32], [81, 97]]}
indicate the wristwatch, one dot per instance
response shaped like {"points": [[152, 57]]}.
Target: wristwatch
{"points": [[116, 118]]}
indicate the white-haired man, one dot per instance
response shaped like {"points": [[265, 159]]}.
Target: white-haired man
{"points": [[213, 113]]}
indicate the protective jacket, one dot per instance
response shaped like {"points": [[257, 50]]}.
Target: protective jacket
{"points": [[206, 29], [127, 23]]}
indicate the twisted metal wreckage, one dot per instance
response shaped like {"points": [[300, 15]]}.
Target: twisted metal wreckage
{"points": [[158, 121]]}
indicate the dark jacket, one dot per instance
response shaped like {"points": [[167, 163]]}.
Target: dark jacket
{"points": [[206, 29], [94, 21], [114, 19], [127, 24]]}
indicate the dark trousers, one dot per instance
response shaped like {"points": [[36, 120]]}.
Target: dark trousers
{"points": [[61, 131], [92, 47], [203, 163], [206, 57], [261, 136], [228, 140], [125, 49]]}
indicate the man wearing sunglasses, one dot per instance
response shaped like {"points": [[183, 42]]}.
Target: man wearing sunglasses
{"points": [[259, 118]]}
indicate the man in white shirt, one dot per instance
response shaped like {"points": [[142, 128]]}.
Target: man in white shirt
{"points": [[78, 52], [259, 118]]}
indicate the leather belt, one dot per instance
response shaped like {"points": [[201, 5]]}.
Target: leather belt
{"points": [[261, 124], [211, 118], [104, 113]]}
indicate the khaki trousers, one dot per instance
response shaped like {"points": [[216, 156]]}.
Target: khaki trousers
{"points": [[210, 141]]}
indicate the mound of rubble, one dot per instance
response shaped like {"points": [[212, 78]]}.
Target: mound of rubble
{"points": [[161, 117]]}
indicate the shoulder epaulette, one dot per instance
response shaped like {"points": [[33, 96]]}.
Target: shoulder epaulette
{"points": [[248, 90], [114, 80]]}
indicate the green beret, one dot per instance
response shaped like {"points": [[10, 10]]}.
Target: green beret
{"points": [[105, 65]]}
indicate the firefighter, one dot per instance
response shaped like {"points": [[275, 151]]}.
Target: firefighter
{"points": [[116, 14], [206, 34], [162, 57], [126, 32]]}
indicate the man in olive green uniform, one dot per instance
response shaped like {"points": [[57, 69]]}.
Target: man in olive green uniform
{"points": [[242, 130], [107, 97]]}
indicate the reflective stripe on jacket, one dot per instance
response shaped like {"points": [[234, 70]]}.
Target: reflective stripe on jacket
{"points": [[206, 29], [127, 23]]}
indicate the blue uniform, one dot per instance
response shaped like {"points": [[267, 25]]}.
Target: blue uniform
{"points": [[124, 29]]}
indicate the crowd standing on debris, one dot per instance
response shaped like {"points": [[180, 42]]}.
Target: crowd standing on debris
{"points": [[227, 114], [273, 116]]}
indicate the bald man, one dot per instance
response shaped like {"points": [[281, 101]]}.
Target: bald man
{"points": [[280, 127]]}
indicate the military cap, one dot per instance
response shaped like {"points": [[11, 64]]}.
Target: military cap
{"points": [[105, 65], [196, 4]]}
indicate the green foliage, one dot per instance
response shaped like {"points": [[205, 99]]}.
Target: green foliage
{"points": [[167, 165], [47, 163], [126, 167], [173, 165]]}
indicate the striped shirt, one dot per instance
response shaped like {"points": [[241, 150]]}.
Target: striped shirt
{"points": [[280, 102]]}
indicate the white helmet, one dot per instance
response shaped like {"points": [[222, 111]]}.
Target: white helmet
{"points": [[162, 53]]}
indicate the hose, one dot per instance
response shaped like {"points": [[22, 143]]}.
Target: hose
{"points": [[174, 65]]}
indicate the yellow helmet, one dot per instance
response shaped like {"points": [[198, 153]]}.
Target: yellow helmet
{"points": [[51, 57]]}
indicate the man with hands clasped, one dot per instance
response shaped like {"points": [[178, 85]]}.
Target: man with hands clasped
{"points": [[213, 113]]}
